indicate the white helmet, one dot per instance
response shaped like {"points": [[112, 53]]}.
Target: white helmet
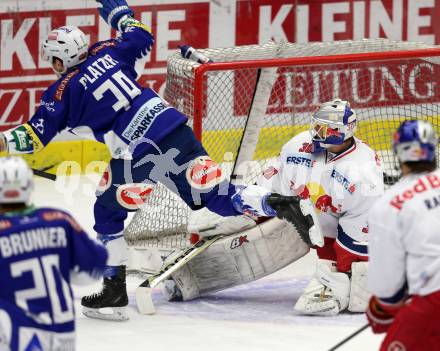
{"points": [[68, 43], [333, 123], [16, 181]]}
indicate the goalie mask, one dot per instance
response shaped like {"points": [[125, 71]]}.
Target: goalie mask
{"points": [[16, 181], [332, 124], [68, 44], [415, 141]]}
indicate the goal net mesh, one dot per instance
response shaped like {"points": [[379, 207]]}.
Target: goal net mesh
{"points": [[384, 92]]}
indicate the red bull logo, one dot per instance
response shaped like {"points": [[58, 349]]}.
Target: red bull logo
{"points": [[324, 203], [423, 184], [106, 180], [270, 172], [316, 193], [333, 132], [133, 196], [302, 191], [204, 173]]}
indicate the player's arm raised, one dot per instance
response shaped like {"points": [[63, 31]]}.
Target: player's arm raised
{"points": [[42, 127], [136, 39]]}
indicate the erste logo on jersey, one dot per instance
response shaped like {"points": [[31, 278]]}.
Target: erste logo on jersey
{"points": [[300, 161], [133, 196], [346, 184], [204, 173]]}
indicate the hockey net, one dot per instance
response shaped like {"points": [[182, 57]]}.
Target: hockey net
{"points": [[385, 81]]}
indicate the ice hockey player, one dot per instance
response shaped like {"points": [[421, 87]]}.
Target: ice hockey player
{"points": [[404, 247], [342, 177], [97, 97], [42, 251]]}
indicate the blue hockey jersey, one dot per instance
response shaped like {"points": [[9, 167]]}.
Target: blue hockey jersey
{"points": [[101, 100], [41, 252]]}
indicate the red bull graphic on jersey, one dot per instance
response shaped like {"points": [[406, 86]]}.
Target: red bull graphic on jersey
{"points": [[106, 180], [270, 172], [333, 132], [133, 196], [316, 193], [302, 191], [422, 185], [204, 173]]}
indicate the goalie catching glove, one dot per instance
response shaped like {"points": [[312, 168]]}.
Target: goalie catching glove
{"points": [[297, 212], [254, 200]]}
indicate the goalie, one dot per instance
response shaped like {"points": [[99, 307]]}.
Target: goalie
{"points": [[342, 177]]}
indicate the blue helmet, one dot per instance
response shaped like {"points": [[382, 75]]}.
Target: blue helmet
{"points": [[332, 123], [415, 141]]}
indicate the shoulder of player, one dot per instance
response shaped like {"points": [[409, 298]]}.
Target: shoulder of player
{"points": [[58, 89], [300, 143], [361, 154], [102, 46], [52, 214]]}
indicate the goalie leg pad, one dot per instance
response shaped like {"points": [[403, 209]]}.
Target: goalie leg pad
{"points": [[359, 294], [317, 300], [207, 223], [327, 294], [242, 258], [337, 282]]}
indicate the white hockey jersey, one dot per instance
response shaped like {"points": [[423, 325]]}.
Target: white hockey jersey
{"points": [[342, 187], [404, 241]]}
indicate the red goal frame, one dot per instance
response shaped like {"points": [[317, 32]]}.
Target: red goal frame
{"points": [[202, 70]]}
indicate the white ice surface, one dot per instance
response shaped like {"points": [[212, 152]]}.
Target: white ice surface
{"points": [[257, 316]]}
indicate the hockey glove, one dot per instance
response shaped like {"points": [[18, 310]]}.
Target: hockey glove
{"points": [[113, 10], [380, 316], [289, 209]]}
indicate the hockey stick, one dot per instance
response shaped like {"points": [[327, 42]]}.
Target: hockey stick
{"points": [[43, 174], [351, 336], [143, 292]]}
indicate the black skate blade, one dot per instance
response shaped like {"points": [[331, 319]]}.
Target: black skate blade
{"points": [[118, 314]]}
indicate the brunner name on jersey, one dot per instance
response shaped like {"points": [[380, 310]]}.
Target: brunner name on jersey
{"points": [[32, 240]]}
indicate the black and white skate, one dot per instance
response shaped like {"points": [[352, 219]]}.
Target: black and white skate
{"points": [[110, 303]]}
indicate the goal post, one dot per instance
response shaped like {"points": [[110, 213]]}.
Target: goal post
{"points": [[385, 81]]}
